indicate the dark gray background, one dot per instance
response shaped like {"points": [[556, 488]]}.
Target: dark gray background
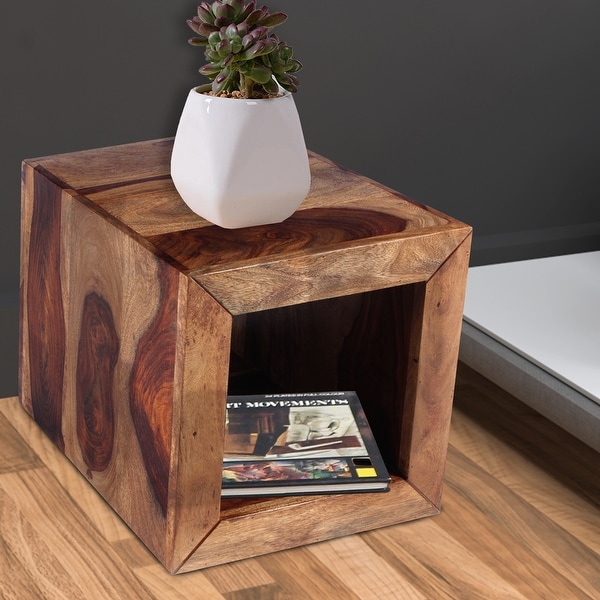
{"points": [[488, 110]]}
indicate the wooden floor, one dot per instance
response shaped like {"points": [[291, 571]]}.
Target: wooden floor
{"points": [[521, 519]]}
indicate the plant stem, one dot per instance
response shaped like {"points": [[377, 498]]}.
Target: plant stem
{"points": [[246, 85]]}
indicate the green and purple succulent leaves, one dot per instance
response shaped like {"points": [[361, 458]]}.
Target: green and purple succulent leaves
{"points": [[242, 52]]}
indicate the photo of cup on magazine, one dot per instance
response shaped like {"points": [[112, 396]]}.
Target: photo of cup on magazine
{"points": [[315, 428]]}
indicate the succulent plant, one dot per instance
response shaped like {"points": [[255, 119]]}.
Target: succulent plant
{"points": [[242, 52]]}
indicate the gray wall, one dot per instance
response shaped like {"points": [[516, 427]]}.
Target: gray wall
{"points": [[485, 109]]}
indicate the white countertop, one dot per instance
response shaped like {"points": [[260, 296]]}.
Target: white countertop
{"points": [[547, 310]]}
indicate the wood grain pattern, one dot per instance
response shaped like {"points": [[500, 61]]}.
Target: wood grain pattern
{"points": [[117, 373], [249, 528], [151, 386], [96, 361], [133, 309], [30, 501], [16, 454], [432, 360], [342, 271], [317, 228], [521, 520], [45, 320], [199, 417]]}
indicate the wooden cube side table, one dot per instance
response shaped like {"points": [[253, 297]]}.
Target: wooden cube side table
{"points": [[134, 313]]}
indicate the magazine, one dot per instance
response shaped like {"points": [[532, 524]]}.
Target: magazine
{"points": [[308, 443]]}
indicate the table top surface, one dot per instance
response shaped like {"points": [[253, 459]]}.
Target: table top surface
{"points": [[132, 183]]}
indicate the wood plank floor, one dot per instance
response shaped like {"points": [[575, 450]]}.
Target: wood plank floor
{"points": [[521, 519]]}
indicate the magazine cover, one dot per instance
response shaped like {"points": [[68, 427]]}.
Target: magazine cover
{"points": [[299, 444]]}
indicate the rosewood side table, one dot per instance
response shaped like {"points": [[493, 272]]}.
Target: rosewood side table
{"points": [[136, 314]]}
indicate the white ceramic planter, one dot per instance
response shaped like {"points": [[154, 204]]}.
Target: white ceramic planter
{"points": [[239, 163]]}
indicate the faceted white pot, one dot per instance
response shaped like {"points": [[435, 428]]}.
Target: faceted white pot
{"points": [[239, 163]]}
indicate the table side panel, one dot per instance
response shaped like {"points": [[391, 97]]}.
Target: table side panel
{"points": [[358, 267], [42, 336], [432, 363], [289, 524], [101, 344], [199, 424], [27, 192]]}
